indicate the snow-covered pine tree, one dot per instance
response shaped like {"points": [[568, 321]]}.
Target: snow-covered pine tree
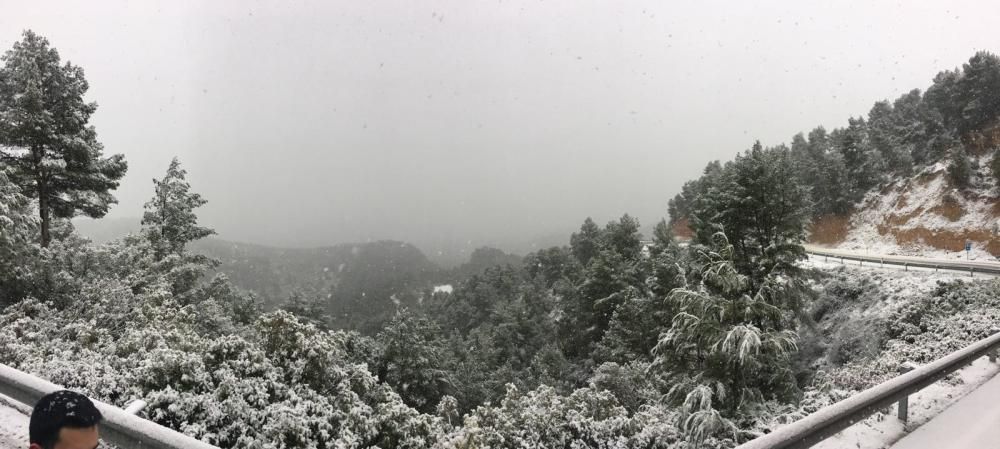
{"points": [[663, 237], [623, 237], [729, 345], [16, 222], [865, 166], [995, 165], [883, 132], [45, 136], [959, 168], [413, 360], [169, 224], [759, 203], [169, 220], [978, 91], [17, 228], [587, 242], [822, 171]]}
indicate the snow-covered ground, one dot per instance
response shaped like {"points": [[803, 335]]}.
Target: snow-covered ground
{"points": [[13, 425]]}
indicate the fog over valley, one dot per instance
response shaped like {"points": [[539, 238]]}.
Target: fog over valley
{"points": [[455, 124]]}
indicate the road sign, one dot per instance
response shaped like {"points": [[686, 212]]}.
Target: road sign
{"points": [[968, 246]]}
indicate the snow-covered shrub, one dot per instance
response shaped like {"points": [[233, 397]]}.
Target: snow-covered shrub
{"points": [[542, 418], [123, 334]]}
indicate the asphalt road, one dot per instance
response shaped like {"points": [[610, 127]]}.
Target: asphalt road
{"points": [[913, 261]]}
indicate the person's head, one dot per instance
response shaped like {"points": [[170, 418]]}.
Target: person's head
{"points": [[64, 420]]}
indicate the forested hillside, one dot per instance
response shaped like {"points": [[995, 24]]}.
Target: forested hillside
{"points": [[357, 286], [934, 152], [351, 286]]}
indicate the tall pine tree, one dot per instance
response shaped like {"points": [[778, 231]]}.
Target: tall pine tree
{"points": [[169, 224], [169, 219], [729, 346], [45, 136]]}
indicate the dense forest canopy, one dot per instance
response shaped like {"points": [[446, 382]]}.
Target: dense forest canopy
{"points": [[955, 116]]}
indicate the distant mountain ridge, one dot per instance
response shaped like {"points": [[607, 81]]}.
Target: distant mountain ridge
{"points": [[358, 285]]}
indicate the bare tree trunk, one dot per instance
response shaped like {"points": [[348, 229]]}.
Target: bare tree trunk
{"points": [[43, 212]]}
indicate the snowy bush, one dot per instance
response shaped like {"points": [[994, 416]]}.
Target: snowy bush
{"points": [[542, 418]]}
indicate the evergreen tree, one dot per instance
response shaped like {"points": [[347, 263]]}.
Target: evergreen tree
{"points": [[412, 361], [663, 238], [169, 224], [308, 308], [967, 99], [978, 91], [865, 166], [45, 136], [17, 227], [959, 168], [587, 242], [623, 237], [694, 200], [552, 265], [760, 204], [822, 171], [476, 299], [169, 220], [834, 186], [944, 98], [995, 166], [16, 222], [887, 140], [729, 346], [807, 165], [607, 283]]}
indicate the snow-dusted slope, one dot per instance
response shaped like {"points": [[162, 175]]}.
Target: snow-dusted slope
{"points": [[925, 216], [13, 427]]}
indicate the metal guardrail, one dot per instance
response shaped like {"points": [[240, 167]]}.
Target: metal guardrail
{"points": [[119, 427], [969, 267], [829, 420]]}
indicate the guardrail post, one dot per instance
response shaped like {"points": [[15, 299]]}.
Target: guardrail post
{"points": [[993, 355], [972, 271], [861, 262], [881, 262], [903, 406], [906, 266], [936, 268], [841, 260]]}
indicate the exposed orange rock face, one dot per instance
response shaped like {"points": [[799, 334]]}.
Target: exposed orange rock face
{"points": [[945, 239], [924, 211], [829, 229]]}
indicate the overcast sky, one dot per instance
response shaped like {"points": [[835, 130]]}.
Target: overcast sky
{"points": [[307, 123]]}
